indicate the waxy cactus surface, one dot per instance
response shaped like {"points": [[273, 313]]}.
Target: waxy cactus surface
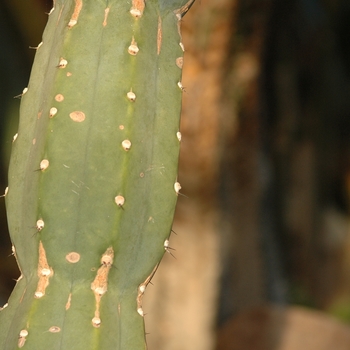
{"points": [[93, 174]]}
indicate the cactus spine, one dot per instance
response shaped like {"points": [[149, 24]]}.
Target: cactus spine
{"points": [[93, 174]]}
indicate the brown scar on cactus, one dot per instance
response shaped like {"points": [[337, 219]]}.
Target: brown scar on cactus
{"points": [[100, 283], [22, 338], [22, 296], [77, 116], [137, 8], [68, 301], [106, 16], [59, 97], [59, 15], [159, 35], [44, 272], [73, 257], [54, 329], [180, 62], [74, 19]]}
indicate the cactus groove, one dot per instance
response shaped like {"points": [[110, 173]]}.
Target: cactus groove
{"points": [[93, 174]]}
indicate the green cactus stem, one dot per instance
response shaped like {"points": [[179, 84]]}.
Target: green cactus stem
{"points": [[93, 174]]}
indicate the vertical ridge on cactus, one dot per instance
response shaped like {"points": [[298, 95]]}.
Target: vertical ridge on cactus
{"points": [[93, 173]]}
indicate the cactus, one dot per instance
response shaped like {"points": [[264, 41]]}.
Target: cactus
{"points": [[93, 174]]}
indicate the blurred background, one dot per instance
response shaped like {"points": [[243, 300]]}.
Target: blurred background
{"points": [[262, 240]]}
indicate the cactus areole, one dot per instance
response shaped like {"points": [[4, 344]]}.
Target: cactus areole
{"points": [[93, 174]]}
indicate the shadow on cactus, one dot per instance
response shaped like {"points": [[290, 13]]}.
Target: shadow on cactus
{"points": [[93, 174]]}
